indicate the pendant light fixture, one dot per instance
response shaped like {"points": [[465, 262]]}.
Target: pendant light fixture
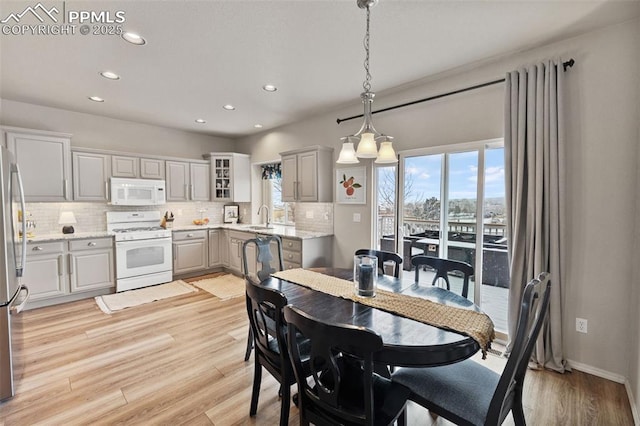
{"points": [[367, 137]]}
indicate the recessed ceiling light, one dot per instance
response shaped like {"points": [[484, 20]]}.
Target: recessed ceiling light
{"points": [[269, 88], [110, 75], [200, 121], [258, 126], [229, 107], [96, 98], [134, 38]]}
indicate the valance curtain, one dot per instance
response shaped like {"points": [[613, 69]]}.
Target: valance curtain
{"points": [[271, 171], [534, 164]]}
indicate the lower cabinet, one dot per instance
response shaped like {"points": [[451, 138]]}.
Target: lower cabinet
{"points": [[214, 248], [91, 264], [56, 270], [236, 243], [190, 251]]}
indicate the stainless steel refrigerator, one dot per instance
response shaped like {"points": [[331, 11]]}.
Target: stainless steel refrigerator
{"points": [[13, 251]]}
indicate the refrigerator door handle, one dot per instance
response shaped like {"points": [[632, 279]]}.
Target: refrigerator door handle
{"points": [[20, 307], [23, 259]]}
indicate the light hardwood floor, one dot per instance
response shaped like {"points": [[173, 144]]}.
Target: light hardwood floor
{"points": [[180, 361]]}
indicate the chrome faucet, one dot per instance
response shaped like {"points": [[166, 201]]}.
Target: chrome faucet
{"points": [[268, 224]]}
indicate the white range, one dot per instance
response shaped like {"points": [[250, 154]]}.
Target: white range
{"points": [[143, 249]]}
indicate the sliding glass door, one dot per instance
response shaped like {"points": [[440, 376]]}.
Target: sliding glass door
{"points": [[450, 205]]}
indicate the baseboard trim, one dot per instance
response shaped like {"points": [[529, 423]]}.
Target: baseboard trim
{"points": [[614, 378], [632, 403], [597, 371]]}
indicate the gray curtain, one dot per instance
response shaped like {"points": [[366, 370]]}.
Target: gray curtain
{"points": [[534, 162]]}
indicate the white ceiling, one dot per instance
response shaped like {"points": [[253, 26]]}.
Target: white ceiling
{"points": [[201, 55]]}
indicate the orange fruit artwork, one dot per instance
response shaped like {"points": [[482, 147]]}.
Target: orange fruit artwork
{"points": [[350, 185]]}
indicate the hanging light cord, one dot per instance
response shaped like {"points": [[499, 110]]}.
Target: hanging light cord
{"points": [[367, 82]]}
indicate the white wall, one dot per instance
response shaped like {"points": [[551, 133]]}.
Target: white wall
{"points": [[602, 161], [93, 131]]}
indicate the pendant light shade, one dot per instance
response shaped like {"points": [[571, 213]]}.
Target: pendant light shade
{"points": [[367, 135], [367, 147], [386, 155], [348, 152]]}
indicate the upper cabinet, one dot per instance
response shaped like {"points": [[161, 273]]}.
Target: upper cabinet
{"points": [[91, 176], [230, 177], [124, 167], [44, 159], [307, 174], [187, 181], [135, 167], [151, 168]]}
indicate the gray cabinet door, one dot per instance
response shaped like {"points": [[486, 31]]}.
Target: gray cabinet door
{"points": [[289, 177], [200, 182], [177, 184], [189, 256], [90, 176], [45, 271], [151, 168], [124, 167], [91, 269], [45, 165], [214, 248], [307, 186], [224, 247]]}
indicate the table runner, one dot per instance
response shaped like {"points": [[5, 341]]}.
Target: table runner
{"points": [[476, 325]]}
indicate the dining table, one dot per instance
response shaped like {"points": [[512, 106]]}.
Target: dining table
{"points": [[406, 342]]}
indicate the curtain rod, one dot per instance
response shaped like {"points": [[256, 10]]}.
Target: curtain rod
{"points": [[565, 65]]}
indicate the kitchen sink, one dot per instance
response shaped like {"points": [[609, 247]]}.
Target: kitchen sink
{"points": [[259, 227]]}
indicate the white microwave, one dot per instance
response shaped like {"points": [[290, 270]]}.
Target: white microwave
{"points": [[137, 192]]}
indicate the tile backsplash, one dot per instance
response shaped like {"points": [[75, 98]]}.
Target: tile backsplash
{"points": [[316, 217]]}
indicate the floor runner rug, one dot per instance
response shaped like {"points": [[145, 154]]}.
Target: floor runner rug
{"points": [[224, 287], [110, 303]]}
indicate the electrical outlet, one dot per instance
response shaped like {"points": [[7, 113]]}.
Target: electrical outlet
{"points": [[309, 214], [326, 215], [581, 325], [356, 217]]}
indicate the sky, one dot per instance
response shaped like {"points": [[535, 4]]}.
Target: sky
{"points": [[463, 175]]}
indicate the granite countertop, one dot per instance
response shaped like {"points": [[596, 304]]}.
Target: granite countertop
{"points": [[281, 230], [60, 236]]}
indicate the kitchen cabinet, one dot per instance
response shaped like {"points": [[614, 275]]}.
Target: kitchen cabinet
{"points": [[62, 271], [91, 264], [187, 181], [214, 248], [45, 271], [190, 251], [236, 242], [224, 247], [90, 176], [136, 167], [151, 168], [44, 159], [230, 177], [307, 174], [306, 253], [124, 167]]}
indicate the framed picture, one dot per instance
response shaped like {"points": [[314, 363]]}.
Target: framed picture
{"points": [[231, 214], [351, 185]]}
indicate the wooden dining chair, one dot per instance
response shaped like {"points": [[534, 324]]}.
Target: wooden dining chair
{"points": [[468, 393], [263, 257], [443, 267], [264, 307], [384, 257], [338, 385]]}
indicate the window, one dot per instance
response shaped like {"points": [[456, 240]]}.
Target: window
{"points": [[281, 212]]}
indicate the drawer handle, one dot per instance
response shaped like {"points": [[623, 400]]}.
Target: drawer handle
{"points": [[92, 244], [290, 256], [189, 235], [289, 244], [37, 248]]}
